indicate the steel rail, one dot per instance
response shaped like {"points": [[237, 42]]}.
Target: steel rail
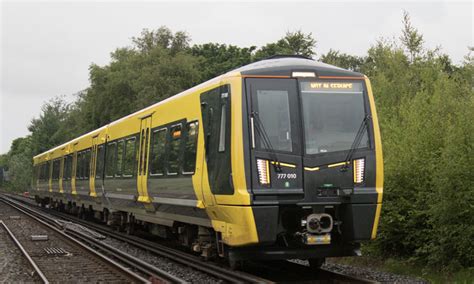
{"points": [[346, 278], [173, 254], [32, 213], [25, 253], [161, 250], [129, 259]]}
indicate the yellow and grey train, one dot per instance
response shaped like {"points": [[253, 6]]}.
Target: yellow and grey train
{"points": [[278, 159]]}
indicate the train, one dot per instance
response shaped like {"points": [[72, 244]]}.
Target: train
{"points": [[278, 159]]}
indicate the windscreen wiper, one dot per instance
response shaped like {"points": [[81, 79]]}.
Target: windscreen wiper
{"points": [[355, 143], [266, 141]]}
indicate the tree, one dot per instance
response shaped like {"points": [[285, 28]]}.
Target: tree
{"points": [[343, 60], [293, 43], [47, 131], [20, 164], [162, 37], [157, 66], [411, 38], [216, 59]]}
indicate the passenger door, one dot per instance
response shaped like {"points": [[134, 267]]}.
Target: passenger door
{"points": [[143, 159], [92, 167], [274, 117], [61, 174], [74, 170]]}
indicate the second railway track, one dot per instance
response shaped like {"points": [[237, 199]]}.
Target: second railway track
{"points": [[61, 257], [183, 258]]}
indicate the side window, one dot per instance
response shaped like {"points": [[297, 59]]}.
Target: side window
{"points": [[79, 166], [67, 167], [82, 165], [56, 164], [129, 159], [110, 159], [87, 163], [189, 160], [99, 163], [48, 170], [118, 168], [174, 149], [157, 162], [43, 171], [53, 176], [223, 122]]}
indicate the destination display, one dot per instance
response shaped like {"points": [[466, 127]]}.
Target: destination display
{"points": [[343, 87]]}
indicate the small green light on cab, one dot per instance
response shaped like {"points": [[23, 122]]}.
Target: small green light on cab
{"points": [[287, 184], [328, 185]]}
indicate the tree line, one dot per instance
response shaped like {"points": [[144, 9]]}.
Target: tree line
{"points": [[425, 106]]}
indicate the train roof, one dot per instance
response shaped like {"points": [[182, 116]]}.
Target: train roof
{"points": [[286, 65]]}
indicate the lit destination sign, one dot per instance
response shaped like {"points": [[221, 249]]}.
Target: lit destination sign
{"points": [[342, 87]]}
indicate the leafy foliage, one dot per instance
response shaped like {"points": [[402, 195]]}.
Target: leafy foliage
{"points": [[411, 38], [294, 43], [343, 60], [216, 59]]}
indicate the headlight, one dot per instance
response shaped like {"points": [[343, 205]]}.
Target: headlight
{"points": [[263, 170], [359, 168]]}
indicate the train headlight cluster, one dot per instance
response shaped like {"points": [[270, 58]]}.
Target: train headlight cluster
{"points": [[359, 169], [263, 170]]}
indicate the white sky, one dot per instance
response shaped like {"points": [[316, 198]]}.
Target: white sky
{"points": [[47, 47]]}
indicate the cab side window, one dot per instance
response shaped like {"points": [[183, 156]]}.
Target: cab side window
{"points": [[216, 122]]}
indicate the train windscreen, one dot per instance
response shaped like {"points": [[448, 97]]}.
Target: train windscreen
{"points": [[332, 115]]}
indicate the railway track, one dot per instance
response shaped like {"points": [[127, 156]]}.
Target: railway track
{"points": [[15, 263], [280, 271], [212, 269], [17, 243], [65, 255]]}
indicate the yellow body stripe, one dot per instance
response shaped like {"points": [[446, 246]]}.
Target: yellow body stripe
{"points": [[329, 166], [311, 169], [378, 158], [284, 164], [337, 164]]}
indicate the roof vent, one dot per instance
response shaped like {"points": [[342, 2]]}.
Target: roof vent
{"points": [[277, 56]]}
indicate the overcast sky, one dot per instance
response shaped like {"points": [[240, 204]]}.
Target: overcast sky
{"points": [[47, 47]]}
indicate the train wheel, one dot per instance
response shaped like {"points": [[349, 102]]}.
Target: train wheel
{"points": [[236, 264], [316, 263]]}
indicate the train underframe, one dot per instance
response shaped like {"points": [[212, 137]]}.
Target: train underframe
{"points": [[296, 227]]}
